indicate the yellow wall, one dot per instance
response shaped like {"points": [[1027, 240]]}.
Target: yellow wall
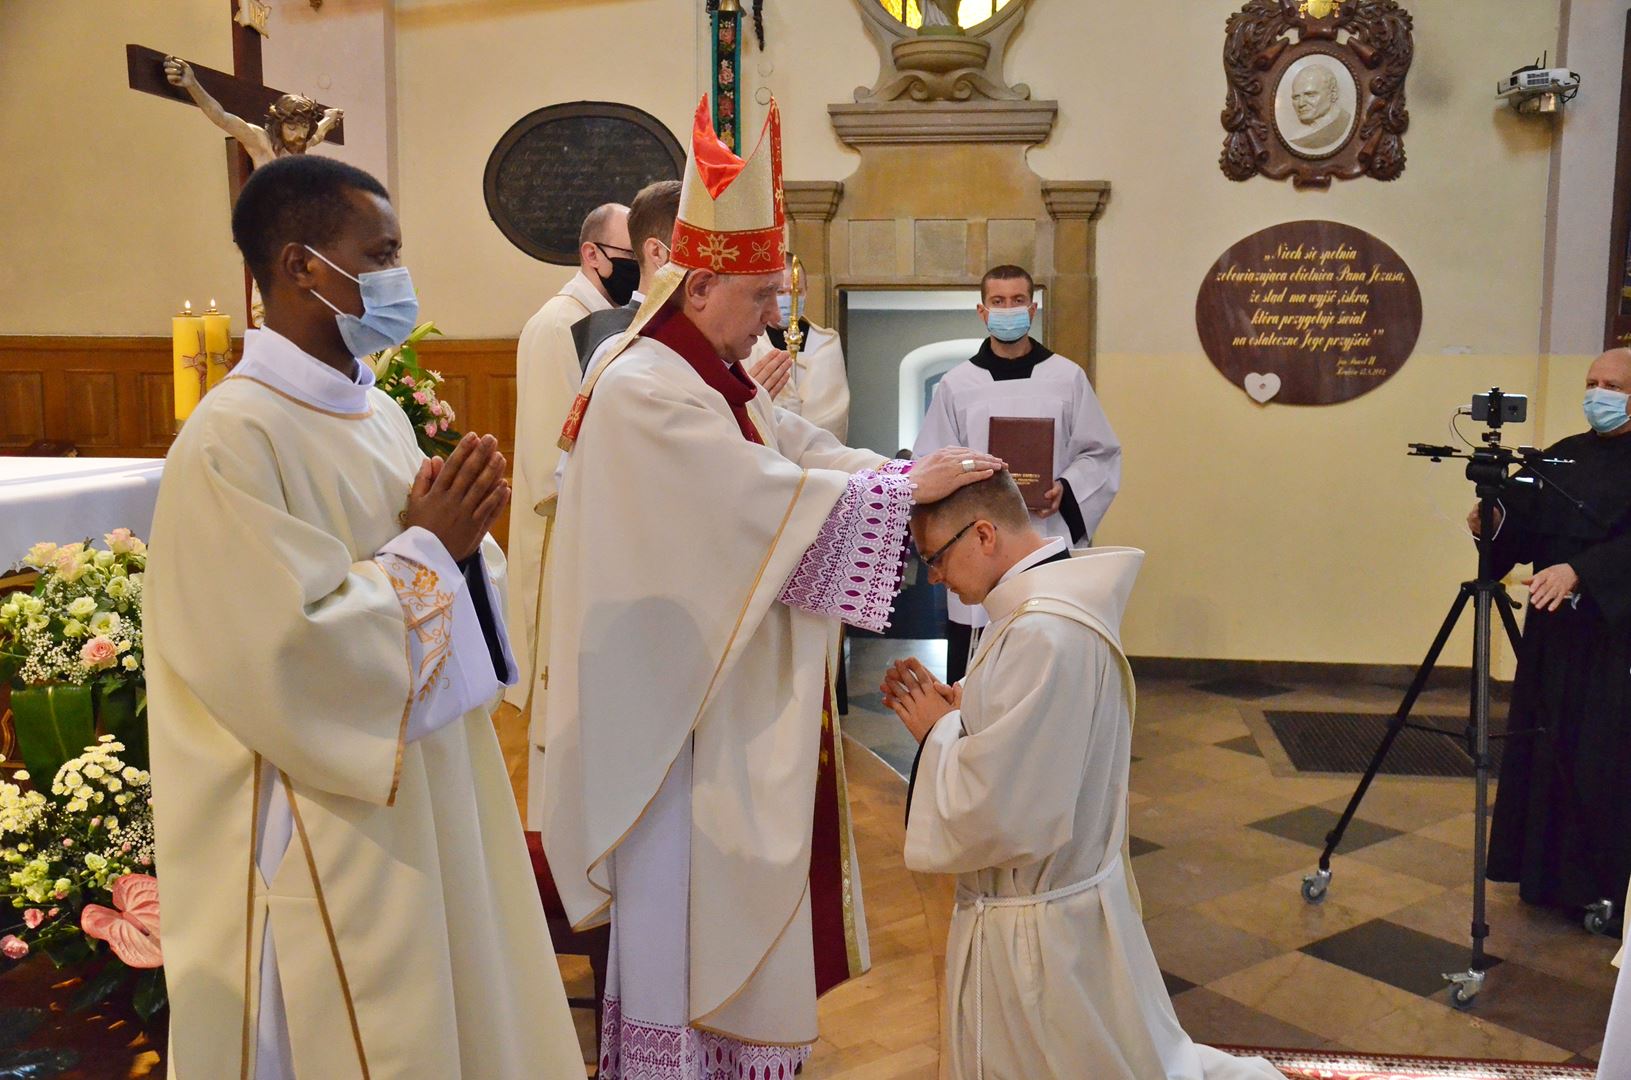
{"points": [[113, 204], [1274, 533]]}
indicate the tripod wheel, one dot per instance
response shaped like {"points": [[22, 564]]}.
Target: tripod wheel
{"points": [[1599, 917], [1314, 888], [1462, 998]]}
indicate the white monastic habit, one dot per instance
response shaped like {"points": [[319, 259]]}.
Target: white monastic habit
{"points": [[818, 388], [1086, 452], [345, 888], [1023, 795], [1614, 1061], [547, 375], [709, 544]]}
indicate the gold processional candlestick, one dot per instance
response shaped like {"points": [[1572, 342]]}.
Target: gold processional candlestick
{"points": [[795, 333]]}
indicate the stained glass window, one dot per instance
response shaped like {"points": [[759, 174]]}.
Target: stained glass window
{"points": [[969, 13]]}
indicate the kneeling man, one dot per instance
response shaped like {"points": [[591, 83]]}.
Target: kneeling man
{"points": [[1021, 789]]}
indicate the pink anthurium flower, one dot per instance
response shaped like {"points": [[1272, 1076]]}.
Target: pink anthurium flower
{"points": [[132, 932]]}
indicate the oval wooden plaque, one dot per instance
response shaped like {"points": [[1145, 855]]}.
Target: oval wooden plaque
{"points": [[1309, 313]]}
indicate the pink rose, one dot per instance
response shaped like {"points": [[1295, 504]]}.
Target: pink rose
{"points": [[407, 380], [445, 425], [33, 917], [14, 947], [419, 396], [99, 652], [430, 428]]}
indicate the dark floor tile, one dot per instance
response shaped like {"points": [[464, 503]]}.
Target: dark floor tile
{"points": [[1243, 744], [1209, 1017], [1175, 985], [1242, 688], [1543, 1007], [1398, 956], [1138, 846], [1310, 825]]}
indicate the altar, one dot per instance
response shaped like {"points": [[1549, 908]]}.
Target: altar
{"points": [[67, 499]]}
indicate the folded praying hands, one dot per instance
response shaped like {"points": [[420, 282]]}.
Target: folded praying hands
{"points": [[917, 697]]}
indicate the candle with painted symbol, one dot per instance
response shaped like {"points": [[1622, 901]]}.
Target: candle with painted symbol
{"points": [[189, 359], [218, 343]]}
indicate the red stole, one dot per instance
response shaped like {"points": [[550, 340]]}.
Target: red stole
{"points": [[831, 922]]}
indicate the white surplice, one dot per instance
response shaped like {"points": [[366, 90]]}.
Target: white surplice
{"points": [[547, 376], [1023, 795], [818, 388], [1086, 452], [282, 469]]}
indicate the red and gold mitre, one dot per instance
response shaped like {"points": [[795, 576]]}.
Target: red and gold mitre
{"points": [[732, 216], [732, 220]]}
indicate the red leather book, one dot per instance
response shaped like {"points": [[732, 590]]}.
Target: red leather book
{"points": [[1026, 444]]}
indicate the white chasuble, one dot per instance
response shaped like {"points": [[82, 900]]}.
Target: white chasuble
{"points": [[818, 388], [1086, 452], [344, 884], [1023, 795], [704, 547], [546, 380]]}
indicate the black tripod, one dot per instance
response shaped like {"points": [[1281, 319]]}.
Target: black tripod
{"points": [[1489, 468]]}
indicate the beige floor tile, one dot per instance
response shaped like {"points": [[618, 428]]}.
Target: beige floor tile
{"points": [[1378, 891], [1235, 803], [1159, 820], [1420, 857], [1313, 995], [1211, 726], [1200, 950], [1455, 831], [1153, 776], [1152, 744], [1275, 910], [1220, 764]]}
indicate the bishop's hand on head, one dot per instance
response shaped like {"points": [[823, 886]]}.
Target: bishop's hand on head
{"points": [[937, 475], [458, 500]]}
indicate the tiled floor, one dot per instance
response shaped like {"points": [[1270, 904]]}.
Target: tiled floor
{"points": [[1223, 832]]}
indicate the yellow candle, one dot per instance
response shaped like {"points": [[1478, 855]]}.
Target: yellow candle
{"points": [[189, 360], [218, 343]]}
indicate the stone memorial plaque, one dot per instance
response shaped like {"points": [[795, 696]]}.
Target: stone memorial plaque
{"points": [[558, 163], [1308, 313]]}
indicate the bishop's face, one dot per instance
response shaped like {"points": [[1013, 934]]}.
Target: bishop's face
{"points": [[732, 310]]}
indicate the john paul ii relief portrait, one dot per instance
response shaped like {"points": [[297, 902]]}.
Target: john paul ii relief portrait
{"points": [[1315, 105]]}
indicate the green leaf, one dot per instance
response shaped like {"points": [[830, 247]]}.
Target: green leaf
{"points": [[151, 994], [100, 985], [16, 1025], [53, 724]]}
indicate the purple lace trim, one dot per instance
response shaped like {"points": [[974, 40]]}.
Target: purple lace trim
{"points": [[637, 1050], [853, 569], [896, 466]]}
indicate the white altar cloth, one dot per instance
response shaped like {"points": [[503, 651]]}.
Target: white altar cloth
{"points": [[68, 499]]}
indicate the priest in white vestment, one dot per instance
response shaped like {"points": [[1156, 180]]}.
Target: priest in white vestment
{"points": [[818, 386], [547, 375], [708, 546], [344, 884], [1015, 375], [1020, 789]]}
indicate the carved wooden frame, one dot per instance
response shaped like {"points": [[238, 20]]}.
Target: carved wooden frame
{"points": [[1371, 38]]}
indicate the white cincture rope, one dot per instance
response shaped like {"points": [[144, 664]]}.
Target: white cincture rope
{"points": [[983, 903]]}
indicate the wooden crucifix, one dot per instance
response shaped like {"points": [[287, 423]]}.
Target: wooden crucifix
{"points": [[262, 123]]}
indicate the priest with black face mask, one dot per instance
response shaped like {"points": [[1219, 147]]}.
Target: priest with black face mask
{"points": [[546, 380], [1562, 829]]}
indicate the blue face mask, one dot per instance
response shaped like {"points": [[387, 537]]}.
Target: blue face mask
{"points": [[390, 310], [784, 304], [1605, 410], [1008, 324]]}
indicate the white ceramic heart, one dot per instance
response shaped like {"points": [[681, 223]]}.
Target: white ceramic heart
{"points": [[1260, 388]]}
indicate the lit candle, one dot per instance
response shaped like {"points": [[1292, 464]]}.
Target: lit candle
{"points": [[218, 343], [189, 358]]}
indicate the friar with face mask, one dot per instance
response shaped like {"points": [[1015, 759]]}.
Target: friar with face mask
{"points": [[547, 374], [815, 386], [1013, 374], [346, 891], [1562, 829]]}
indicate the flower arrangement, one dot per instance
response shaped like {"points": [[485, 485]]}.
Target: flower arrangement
{"points": [[76, 868], [72, 650], [411, 385]]}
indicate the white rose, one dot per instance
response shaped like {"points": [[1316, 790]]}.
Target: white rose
{"points": [[82, 607], [105, 622]]}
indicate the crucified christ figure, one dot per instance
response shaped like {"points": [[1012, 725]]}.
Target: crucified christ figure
{"points": [[293, 125]]}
